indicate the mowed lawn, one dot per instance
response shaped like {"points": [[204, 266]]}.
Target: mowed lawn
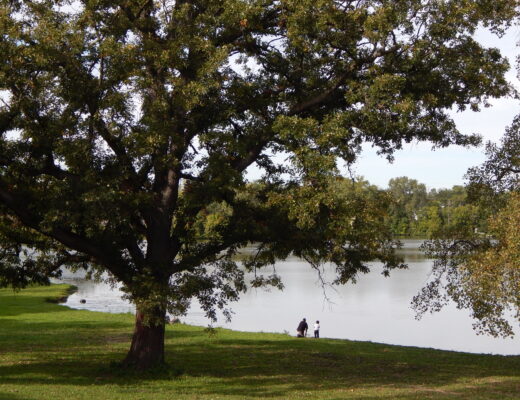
{"points": [[48, 351]]}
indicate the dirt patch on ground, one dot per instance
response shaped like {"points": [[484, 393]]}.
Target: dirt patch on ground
{"points": [[423, 389], [120, 338]]}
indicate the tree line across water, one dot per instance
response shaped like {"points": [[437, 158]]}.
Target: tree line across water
{"points": [[416, 211]]}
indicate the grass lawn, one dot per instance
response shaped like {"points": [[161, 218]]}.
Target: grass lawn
{"points": [[48, 351]]}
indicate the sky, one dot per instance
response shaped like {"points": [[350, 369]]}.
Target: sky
{"points": [[444, 168]]}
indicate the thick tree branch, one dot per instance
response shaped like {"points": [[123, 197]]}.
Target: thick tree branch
{"points": [[114, 143], [51, 169], [241, 164], [65, 236], [190, 177]]}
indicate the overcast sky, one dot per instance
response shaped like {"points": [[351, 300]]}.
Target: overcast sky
{"points": [[446, 167]]}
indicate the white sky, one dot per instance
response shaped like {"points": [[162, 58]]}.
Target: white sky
{"points": [[444, 168]]}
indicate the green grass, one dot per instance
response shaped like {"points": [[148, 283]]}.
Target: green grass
{"points": [[48, 351]]}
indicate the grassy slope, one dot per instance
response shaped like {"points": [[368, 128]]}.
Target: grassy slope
{"points": [[48, 351]]}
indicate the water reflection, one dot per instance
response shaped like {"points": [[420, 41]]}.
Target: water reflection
{"points": [[375, 309]]}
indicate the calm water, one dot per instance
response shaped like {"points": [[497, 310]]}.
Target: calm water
{"points": [[375, 309]]}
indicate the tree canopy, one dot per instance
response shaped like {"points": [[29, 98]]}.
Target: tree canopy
{"points": [[127, 126]]}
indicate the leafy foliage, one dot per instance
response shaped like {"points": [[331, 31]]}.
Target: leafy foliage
{"points": [[482, 272], [123, 123], [409, 197], [416, 212]]}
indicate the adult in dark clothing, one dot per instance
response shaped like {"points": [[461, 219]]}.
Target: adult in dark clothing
{"points": [[301, 331]]}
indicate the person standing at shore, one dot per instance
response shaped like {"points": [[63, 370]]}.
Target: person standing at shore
{"points": [[301, 331], [317, 330]]}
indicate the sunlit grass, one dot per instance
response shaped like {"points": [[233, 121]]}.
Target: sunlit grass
{"points": [[48, 351]]}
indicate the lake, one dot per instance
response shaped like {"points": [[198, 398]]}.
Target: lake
{"points": [[375, 309]]}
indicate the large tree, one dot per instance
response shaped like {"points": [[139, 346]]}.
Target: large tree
{"points": [[127, 125]]}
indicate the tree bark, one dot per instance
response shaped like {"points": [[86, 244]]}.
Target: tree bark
{"points": [[147, 348]]}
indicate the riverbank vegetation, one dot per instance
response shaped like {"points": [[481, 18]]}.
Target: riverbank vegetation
{"points": [[48, 351]]}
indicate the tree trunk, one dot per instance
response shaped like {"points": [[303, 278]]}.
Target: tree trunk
{"points": [[147, 348]]}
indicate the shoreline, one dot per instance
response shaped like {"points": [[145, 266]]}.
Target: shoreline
{"points": [[73, 289], [63, 299]]}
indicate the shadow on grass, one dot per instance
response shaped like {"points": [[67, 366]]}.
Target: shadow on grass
{"points": [[354, 361], [10, 396], [72, 335], [269, 368], [20, 309], [246, 385]]}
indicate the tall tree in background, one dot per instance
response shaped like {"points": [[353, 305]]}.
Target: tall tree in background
{"points": [[409, 197], [124, 124]]}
